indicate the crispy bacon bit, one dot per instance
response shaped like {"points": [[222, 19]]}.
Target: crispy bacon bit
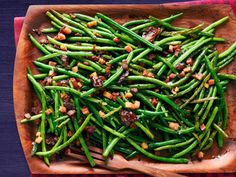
{"points": [[85, 110], [202, 127], [90, 129], [63, 47], [50, 140], [154, 101], [71, 113], [187, 69], [116, 39], [60, 37], [48, 111], [69, 106], [43, 40], [92, 24], [51, 73], [151, 56], [47, 81], [125, 65], [62, 109], [128, 48], [151, 33], [211, 82], [36, 109], [198, 76], [74, 83], [167, 79], [123, 77], [147, 73], [108, 69], [94, 48], [37, 31], [127, 117], [144, 145], [128, 95], [177, 50], [96, 81], [172, 76], [189, 61], [175, 90], [52, 63], [65, 30], [95, 58], [70, 134], [132, 106], [115, 95], [65, 60], [200, 155], [173, 125], [62, 83], [27, 116], [107, 95], [177, 101], [180, 66], [78, 34], [38, 140], [134, 90], [182, 74], [101, 114], [75, 69], [101, 61]]}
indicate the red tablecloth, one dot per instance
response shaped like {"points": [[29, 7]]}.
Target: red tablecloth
{"points": [[18, 22]]}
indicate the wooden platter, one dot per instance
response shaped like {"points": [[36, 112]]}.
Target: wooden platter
{"points": [[223, 160]]}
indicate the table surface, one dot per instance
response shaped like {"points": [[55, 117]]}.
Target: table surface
{"points": [[12, 161]]}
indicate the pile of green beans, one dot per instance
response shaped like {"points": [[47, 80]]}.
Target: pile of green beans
{"points": [[142, 88]]}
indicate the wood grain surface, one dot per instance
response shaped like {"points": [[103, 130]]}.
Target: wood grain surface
{"points": [[223, 160]]}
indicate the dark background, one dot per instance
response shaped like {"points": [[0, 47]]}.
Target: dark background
{"points": [[12, 161]]}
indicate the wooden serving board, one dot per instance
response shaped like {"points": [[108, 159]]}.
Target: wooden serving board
{"points": [[218, 160]]}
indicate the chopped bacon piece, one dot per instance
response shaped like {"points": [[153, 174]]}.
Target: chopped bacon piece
{"points": [[127, 117], [96, 81], [198, 76], [180, 66], [128, 48], [151, 33], [60, 37], [62, 109], [116, 39], [211, 82], [92, 24], [189, 61], [65, 30], [85, 110]]}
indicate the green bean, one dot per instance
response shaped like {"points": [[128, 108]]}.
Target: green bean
{"points": [[88, 39], [165, 24], [125, 30], [155, 157], [215, 24], [227, 76], [63, 71], [164, 143], [135, 22], [84, 48], [220, 90], [144, 129], [38, 45], [32, 118], [49, 30], [220, 131], [170, 146], [43, 116], [69, 141], [148, 79]]}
